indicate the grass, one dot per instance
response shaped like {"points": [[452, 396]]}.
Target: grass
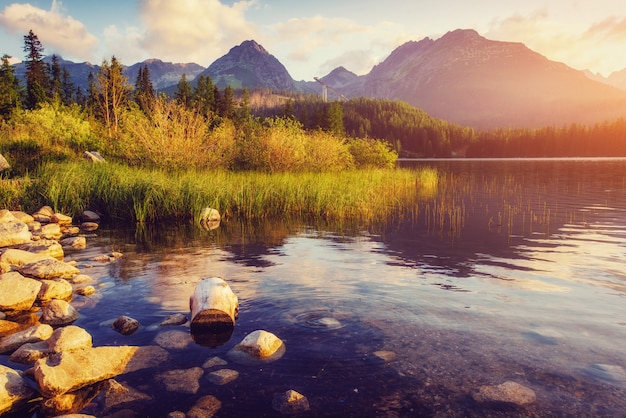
{"points": [[148, 195]]}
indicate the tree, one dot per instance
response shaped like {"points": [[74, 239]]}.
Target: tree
{"points": [[227, 103], [243, 111], [37, 80], [204, 96], [144, 91], [113, 93], [56, 82], [10, 88], [335, 119], [184, 92]]}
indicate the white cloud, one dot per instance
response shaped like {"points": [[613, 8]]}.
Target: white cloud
{"points": [[193, 30], [58, 32]]}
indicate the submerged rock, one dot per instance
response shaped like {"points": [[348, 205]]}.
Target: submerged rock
{"points": [[58, 312], [15, 391], [206, 407], [290, 402], [182, 380], [33, 334], [125, 325], [508, 392], [222, 376], [116, 394], [259, 345]]}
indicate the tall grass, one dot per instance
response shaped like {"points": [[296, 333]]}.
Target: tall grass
{"points": [[148, 195]]}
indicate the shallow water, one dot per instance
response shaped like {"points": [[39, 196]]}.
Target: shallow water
{"points": [[516, 272]]}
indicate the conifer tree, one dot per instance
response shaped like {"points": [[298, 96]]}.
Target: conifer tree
{"points": [[204, 96], [113, 93], [10, 88], [37, 80], [144, 91], [184, 92]]}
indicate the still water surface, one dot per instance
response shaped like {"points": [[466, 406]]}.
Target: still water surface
{"points": [[514, 271]]}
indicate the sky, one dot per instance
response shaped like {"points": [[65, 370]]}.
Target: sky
{"points": [[310, 38]]}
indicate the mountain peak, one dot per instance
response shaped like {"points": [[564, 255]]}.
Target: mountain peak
{"points": [[251, 45]]}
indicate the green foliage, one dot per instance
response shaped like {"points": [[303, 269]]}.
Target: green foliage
{"points": [[370, 153]]}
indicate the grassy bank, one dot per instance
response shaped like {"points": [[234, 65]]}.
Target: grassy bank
{"points": [[125, 193]]}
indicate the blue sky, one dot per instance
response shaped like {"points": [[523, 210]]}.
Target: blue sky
{"points": [[310, 38]]}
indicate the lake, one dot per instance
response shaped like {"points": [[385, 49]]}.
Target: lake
{"points": [[514, 271]]}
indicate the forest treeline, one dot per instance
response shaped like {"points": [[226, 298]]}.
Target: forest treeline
{"points": [[204, 126]]}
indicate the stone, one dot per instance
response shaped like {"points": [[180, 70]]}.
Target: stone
{"points": [[22, 216], [181, 414], [48, 269], [29, 353], [90, 216], [45, 246], [290, 402], [65, 404], [12, 231], [385, 356], [61, 219], [50, 231], [68, 371], [15, 392], [259, 345], [4, 164], [32, 334], [17, 257], [69, 338], [89, 226], [17, 293], [181, 380], [93, 156], [214, 362], [125, 325], [70, 230], [146, 357], [117, 394], [58, 312], [86, 291], [222, 376], [508, 392], [74, 243], [173, 339], [54, 289], [8, 327], [81, 278], [46, 211], [174, 319], [205, 407]]}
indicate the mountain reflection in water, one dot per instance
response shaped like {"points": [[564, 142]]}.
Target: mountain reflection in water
{"points": [[513, 272]]}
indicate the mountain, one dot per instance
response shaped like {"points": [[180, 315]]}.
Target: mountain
{"points": [[164, 74], [249, 65], [470, 80]]}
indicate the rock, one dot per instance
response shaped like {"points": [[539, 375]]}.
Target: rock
{"points": [[205, 407], [182, 380], [61, 219], [146, 357], [69, 338], [90, 216], [45, 246], [173, 339], [33, 334], [125, 325], [66, 404], [214, 362], [58, 312], [15, 392], [93, 156], [116, 394], [209, 214], [46, 211], [174, 319], [81, 278], [16, 257], [508, 392], [29, 353], [50, 231], [70, 230], [385, 356], [259, 345], [8, 327], [181, 414], [22, 216], [222, 376], [71, 370], [4, 164], [74, 243], [49, 269], [290, 402], [12, 231], [607, 372], [86, 291], [55, 289], [88, 226], [17, 293]]}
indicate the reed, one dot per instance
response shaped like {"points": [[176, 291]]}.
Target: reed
{"points": [[148, 195]]}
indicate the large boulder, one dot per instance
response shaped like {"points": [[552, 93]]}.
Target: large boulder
{"points": [[49, 269], [12, 231], [55, 289], [15, 391], [17, 257], [45, 246], [17, 293], [34, 334], [67, 338], [258, 345]]}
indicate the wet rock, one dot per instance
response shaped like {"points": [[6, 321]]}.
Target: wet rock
{"points": [[17, 293], [115, 394], [44, 246], [81, 278], [146, 357], [607, 372], [54, 289], [8, 327], [181, 414], [125, 325], [50, 231], [58, 312], [29, 353], [222, 376], [385, 356], [206, 407], [69, 338], [508, 392], [61, 219], [182, 380], [90, 216], [17, 257], [49, 269], [71, 370], [12, 231], [174, 319], [173, 339], [70, 230], [33, 334], [69, 403], [290, 402], [89, 226], [44, 214], [74, 243], [86, 291], [259, 345], [15, 391], [214, 362]]}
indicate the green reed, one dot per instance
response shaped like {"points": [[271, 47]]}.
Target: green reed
{"points": [[147, 195]]}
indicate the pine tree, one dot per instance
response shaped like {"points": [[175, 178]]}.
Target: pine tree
{"points": [[37, 81], [144, 91], [227, 103], [56, 82], [184, 92], [10, 88], [204, 96]]}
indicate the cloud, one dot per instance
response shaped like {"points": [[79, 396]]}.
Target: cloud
{"points": [[193, 30], [610, 29], [56, 31]]}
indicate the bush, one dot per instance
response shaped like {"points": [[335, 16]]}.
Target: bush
{"points": [[372, 153]]}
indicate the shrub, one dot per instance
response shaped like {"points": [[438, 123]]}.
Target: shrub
{"points": [[372, 153]]}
